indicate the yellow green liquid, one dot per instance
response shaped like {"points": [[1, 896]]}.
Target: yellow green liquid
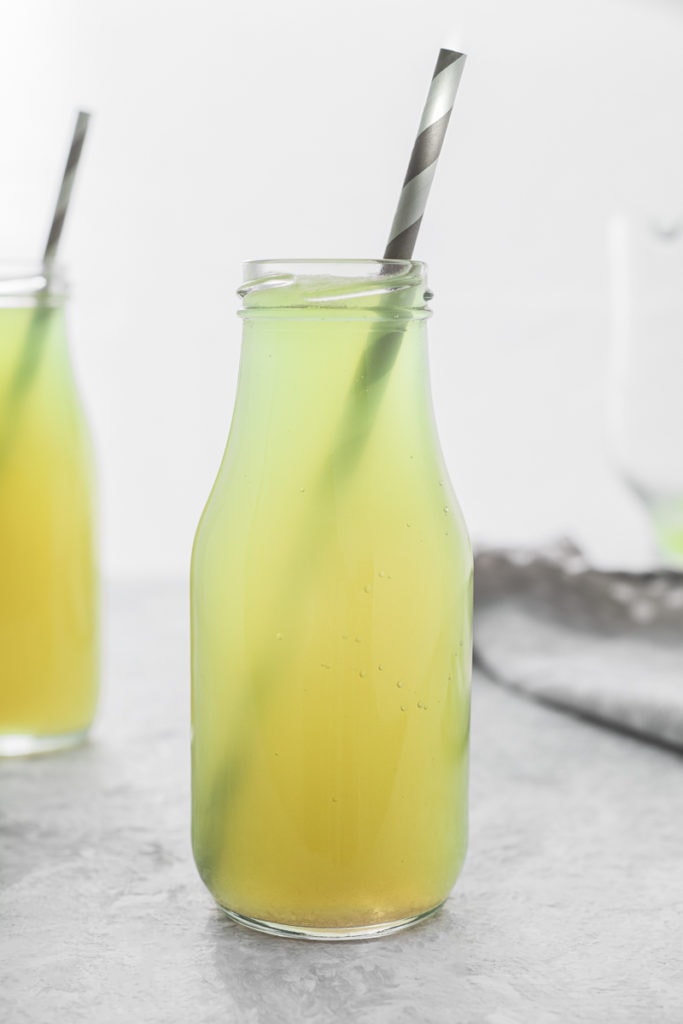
{"points": [[331, 628], [48, 603]]}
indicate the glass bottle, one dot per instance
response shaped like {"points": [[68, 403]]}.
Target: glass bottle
{"points": [[48, 589], [331, 616]]}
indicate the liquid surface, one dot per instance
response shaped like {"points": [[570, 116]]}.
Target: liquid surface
{"points": [[48, 604], [331, 622]]}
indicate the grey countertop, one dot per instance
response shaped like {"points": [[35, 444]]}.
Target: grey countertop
{"points": [[570, 907]]}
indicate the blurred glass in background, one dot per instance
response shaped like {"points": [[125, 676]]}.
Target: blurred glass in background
{"points": [[646, 369]]}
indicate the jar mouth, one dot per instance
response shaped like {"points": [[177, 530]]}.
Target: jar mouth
{"points": [[27, 283], [377, 286], [348, 267]]}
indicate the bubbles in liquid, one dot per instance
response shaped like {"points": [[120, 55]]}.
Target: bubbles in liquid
{"points": [[278, 636], [403, 707], [446, 509], [399, 684], [380, 668], [323, 664], [367, 588], [362, 674]]}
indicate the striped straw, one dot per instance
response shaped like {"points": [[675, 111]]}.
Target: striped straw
{"points": [[380, 355], [420, 174], [32, 348], [60, 211]]}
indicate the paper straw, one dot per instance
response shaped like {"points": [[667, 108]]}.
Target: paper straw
{"points": [[423, 159], [68, 177], [380, 355]]}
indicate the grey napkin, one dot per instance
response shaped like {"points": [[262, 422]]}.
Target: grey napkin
{"points": [[606, 645]]}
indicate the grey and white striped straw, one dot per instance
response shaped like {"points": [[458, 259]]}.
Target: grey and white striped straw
{"points": [[62, 205], [422, 165], [379, 355]]}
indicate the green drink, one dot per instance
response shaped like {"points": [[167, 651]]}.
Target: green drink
{"points": [[331, 618]]}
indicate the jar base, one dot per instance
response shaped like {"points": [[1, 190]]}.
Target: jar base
{"points": [[25, 744], [348, 934]]}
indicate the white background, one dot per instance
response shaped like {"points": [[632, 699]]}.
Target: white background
{"points": [[224, 131]]}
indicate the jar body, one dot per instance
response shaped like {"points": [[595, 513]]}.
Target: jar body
{"points": [[48, 588], [331, 640]]}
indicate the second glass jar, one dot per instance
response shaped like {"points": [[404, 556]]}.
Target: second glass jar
{"points": [[49, 614]]}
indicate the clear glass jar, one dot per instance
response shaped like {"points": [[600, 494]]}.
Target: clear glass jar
{"points": [[48, 587], [331, 616]]}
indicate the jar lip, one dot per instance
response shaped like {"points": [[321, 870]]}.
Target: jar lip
{"points": [[31, 279], [326, 265], [360, 287]]}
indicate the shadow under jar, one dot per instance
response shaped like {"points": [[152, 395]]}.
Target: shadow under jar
{"points": [[331, 613]]}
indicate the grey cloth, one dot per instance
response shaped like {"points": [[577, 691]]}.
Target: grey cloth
{"points": [[606, 645]]}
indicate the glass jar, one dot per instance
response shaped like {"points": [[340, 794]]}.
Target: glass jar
{"points": [[48, 589], [331, 612]]}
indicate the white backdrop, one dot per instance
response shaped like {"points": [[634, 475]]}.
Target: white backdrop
{"points": [[224, 131]]}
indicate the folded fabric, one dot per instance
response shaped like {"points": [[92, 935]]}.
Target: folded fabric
{"points": [[606, 645]]}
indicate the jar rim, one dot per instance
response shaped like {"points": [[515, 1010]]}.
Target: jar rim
{"points": [[355, 288], [326, 264]]}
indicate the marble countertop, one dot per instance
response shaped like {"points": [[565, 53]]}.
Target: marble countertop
{"points": [[570, 907]]}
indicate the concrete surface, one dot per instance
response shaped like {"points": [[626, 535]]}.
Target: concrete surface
{"points": [[570, 907]]}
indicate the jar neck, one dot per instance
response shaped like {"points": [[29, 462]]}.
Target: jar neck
{"points": [[334, 360], [331, 390]]}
